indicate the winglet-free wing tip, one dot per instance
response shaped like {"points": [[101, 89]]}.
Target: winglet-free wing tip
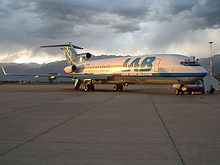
{"points": [[3, 70]]}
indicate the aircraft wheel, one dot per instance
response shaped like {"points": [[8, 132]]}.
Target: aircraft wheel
{"points": [[190, 92], [115, 88], [118, 87], [89, 87], [86, 88], [92, 87], [177, 92]]}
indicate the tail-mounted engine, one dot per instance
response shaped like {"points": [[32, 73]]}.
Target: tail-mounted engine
{"points": [[71, 69], [84, 56]]}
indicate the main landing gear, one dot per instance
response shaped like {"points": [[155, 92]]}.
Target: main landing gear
{"points": [[118, 87], [181, 90], [184, 89], [77, 84], [89, 87]]}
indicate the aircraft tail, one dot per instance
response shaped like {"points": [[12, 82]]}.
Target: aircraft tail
{"points": [[69, 50]]}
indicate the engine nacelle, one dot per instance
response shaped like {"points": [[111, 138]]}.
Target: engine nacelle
{"points": [[71, 69], [84, 56], [88, 55]]}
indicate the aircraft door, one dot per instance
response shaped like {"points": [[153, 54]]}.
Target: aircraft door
{"points": [[157, 65]]}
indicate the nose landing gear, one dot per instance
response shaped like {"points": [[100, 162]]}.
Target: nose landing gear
{"points": [[181, 90]]}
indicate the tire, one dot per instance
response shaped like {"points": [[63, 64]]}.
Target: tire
{"points": [[89, 87], [92, 87], [86, 88], [177, 92], [118, 87], [115, 88]]}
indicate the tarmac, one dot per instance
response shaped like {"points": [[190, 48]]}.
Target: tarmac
{"points": [[52, 124]]}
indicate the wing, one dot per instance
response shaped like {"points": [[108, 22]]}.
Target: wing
{"points": [[56, 75], [34, 75]]}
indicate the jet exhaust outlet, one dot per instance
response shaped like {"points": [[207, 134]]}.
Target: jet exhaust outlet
{"points": [[88, 55], [71, 69], [74, 68], [84, 56]]}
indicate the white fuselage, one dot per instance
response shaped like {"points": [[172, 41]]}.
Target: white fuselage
{"points": [[147, 69]]}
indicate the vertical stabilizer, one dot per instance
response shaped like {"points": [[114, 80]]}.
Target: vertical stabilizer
{"points": [[69, 50]]}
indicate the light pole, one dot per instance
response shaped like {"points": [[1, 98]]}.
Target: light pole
{"points": [[210, 61]]}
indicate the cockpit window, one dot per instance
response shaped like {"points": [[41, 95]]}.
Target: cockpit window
{"points": [[190, 62]]}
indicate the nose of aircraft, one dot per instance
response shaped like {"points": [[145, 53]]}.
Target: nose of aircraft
{"points": [[203, 71]]}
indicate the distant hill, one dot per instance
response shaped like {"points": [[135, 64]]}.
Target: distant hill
{"points": [[216, 64], [57, 67]]}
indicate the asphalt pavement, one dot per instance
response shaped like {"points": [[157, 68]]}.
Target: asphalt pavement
{"points": [[52, 124]]}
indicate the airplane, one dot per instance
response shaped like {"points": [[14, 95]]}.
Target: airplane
{"points": [[166, 69]]}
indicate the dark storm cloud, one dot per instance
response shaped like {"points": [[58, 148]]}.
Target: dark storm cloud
{"points": [[84, 10], [179, 22], [208, 11], [159, 24], [176, 7], [64, 15]]}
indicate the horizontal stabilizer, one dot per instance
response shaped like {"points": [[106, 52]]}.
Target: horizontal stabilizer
{"points": [[62, 45], [3, 70]]}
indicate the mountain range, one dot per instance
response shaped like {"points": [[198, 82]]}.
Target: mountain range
{"points": [[57, 67]]}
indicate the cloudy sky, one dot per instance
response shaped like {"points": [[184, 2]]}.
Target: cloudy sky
{"points": [[117, 27]]}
